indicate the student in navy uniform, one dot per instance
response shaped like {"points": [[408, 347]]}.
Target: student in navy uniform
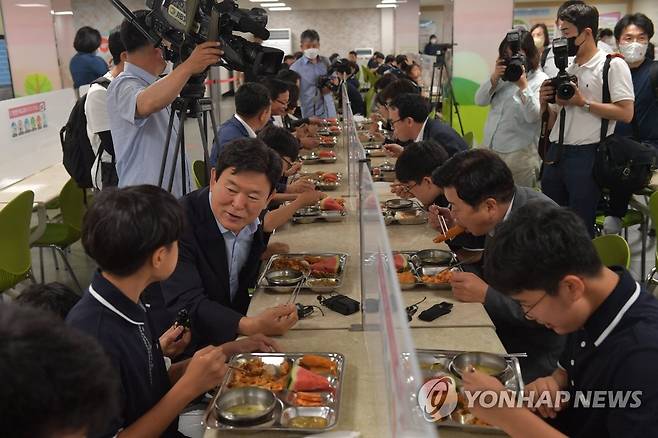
{"points": [[132, 234], [56, 381], [480, 189], [544, 259], [413, 172], [252, 112], [409, 115], [222, 245]]}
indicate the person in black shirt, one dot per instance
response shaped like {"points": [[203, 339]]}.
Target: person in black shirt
{"points": [[604, 384], [132, 234], [56, 381], [633, 33]]}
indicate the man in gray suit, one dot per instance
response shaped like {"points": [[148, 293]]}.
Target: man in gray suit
{"points": [[481, 192]]}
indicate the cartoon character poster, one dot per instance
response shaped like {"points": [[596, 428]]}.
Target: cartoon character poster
{"points": [[28, 118]]}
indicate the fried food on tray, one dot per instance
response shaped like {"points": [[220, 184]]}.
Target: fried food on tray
{"points": [[451, 234], [296, 264], [442, 277], [255, 373], [310, 399], [406, 277], [318, 363]]}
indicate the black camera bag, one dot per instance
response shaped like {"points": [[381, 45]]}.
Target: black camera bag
{"points": [[621, 162]]}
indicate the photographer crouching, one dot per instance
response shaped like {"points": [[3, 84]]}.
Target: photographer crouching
{"points": [[573, 101], [138, 106], [512, 128]]}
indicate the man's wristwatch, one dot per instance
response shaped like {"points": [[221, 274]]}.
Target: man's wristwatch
{"points": [[586, 106]]}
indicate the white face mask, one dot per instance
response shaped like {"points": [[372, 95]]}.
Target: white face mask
{"points": [[311, 53], [633, 52]]}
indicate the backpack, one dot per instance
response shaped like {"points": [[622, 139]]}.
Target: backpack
{"points": [[621, 163], [78, 155]]}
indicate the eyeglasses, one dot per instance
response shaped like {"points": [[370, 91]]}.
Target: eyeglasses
{"points": [[393, 122], [527, 311], [282, 103], [408, 187]]}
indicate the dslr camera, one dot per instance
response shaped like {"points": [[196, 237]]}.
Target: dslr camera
{"points": [[563, 82], [515, 62]]}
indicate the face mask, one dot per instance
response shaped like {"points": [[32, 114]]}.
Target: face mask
{"points": [[572, 48], [311, 53], [539, 42], [633, 52], [433, 41]]}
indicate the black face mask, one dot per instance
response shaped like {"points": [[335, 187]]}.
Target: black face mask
{"points": [[572, 48]]}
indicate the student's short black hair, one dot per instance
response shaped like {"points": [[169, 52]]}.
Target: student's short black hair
{"points": [[251, 98], [288, 76], [132, 38], [401, 61], [298, 55], [412, 105], [378, 55], [287, 57], [394, 89], [476, 175], [116, 46], [389, 59], [281, 140], [536, 247], [250, 155], [604, 33], [544, 29], [352, 52], [333, 57], [640, 20], [87, 40], [275, 87], [418, 160], [566, 4], [55, 379], [55, 297], [125, 226], [383, 82], [582, 16], [309, 35]]}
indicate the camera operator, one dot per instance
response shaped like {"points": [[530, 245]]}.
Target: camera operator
{"points": [[138, 107], [513, 123], [315, 101], [548, 57], [633, 33], [568, 164], [345, 71]]}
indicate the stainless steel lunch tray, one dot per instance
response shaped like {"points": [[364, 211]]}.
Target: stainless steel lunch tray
{"points": [[396, 215], [301, 217], [511, 378], [284, 409], [340, 276], [418, 268], [321, 185]]}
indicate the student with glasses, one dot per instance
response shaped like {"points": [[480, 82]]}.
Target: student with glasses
{"points": [[542, 257]]}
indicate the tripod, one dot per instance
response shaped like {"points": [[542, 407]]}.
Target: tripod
{"points": [[187, 106], [438, 68]]}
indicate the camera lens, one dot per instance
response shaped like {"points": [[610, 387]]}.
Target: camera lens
{"points": [[565, 90], [513, 72]]}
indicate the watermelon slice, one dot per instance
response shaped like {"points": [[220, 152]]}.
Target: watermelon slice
{"points": [[401, 262], [302, 379], [329, 177], [326, 265], [331, 204], [327, 154]]}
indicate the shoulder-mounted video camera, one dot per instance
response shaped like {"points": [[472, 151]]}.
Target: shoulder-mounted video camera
{"points": [[563, 82], [186, 23]]}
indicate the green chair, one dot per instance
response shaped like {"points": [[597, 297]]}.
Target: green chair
{"points": [[613, 250], [199, 170], [61, 235], [468, 138], [15, 261], [653, 214]]}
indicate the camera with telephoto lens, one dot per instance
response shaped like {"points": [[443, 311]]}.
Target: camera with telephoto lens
{"points": [[187, 23], [326, 81], [564, 83], [516, 61]]}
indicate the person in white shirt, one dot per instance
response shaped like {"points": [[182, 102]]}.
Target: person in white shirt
{"points": [[513, 123], [569, 161], [103, 171], [548, 60]]}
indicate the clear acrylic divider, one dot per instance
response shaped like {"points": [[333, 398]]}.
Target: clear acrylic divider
{"points": [[390, 348]]}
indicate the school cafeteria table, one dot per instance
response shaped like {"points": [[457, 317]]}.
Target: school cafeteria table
{"points": [[358, 405]]}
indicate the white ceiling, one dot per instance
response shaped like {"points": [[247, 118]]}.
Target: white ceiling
{"points": [[336, 4]]}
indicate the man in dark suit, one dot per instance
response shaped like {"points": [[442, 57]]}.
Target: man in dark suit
{"points": [[481, 191], [409, 115], [221, 248], [252, 112]]}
